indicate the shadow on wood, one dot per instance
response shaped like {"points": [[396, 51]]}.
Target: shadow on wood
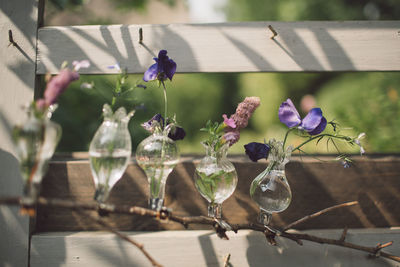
{"points": [[373, 181]]}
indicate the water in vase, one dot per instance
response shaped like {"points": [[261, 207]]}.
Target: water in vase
{"points": [[215, 186], [107, 169], [157, 174], [273, 194]]}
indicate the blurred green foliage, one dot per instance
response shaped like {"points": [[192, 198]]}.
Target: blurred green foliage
{"points": [[366, 102]]}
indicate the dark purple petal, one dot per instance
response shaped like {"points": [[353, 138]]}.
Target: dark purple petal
{"points": [[257, 151], [312, 120], [149, 125], [177, 133], [288, 114], [58, 84], [151, 73], [170, 69], [320, 128], [166, 65], [162, 55]]}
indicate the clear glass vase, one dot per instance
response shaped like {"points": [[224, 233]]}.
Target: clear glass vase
{"points": [[215, 178], [270, 189], [110, 151], [157, 155], [36, 140]]}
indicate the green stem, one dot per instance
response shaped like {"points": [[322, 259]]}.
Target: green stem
{"points": [[342, 137], [286, 136], [165, 102], [113, 101]]}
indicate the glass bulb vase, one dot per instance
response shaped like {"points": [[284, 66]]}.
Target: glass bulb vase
{"points": [[270, 189], [110, 151], [36, 140], [157, 155], [215, 178]]}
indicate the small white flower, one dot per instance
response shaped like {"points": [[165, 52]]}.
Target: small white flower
{"points": [[87, 85], [357, 142], [80, 64]]}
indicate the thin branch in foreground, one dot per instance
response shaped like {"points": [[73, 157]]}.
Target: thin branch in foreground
{"points": [[109, 228], [220, 227], [344, 233], [308, 217], [226, 260]]}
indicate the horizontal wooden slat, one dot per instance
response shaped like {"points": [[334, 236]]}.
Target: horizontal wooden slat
{"points": [[227, 47], [204, 248], [373, 181]]}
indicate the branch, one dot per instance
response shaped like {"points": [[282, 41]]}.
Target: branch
{"points": [[80, 208], [120, 235], [220, 226], [306, 218]]}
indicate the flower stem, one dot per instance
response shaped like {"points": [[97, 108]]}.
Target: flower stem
{"points": [[342, 137], [286, 136], [165, 101]]}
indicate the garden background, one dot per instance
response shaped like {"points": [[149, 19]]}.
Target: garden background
{"points": [[369, 102]]}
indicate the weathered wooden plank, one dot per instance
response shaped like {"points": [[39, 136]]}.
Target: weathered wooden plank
{"points": [[204, 248], [373, 181], [17, 76], [227, 47]]}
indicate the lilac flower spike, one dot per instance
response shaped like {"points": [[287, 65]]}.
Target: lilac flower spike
{"points": [[244, 111], [313, 123], [58, 84], [161, 70]]}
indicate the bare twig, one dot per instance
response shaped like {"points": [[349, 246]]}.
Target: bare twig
{"points": [[344, 233], [306, 218], [109, 228], [222, 227], [226, 260]]}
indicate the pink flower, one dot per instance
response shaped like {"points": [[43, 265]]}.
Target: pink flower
{"points": [[58, 84], [229, 122], [244, 111], [232, 137]]}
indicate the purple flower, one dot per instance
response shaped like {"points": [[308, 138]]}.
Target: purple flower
{"points": [[244, 111], [177, 133], [161, 70], [231, 136], [256, 151], [229, 122], [116, 67], [150, 125], [57, 85], [313, 123]]}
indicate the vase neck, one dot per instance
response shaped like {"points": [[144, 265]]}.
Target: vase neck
{"points": [[218, 153], [119, 116], [40, 114], [278, 156]]}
